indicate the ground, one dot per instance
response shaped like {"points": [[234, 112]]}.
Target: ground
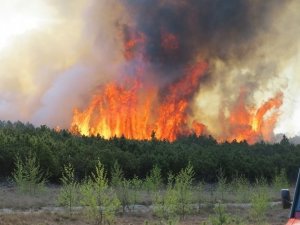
{"points": [[43, 209], [275, 216]]}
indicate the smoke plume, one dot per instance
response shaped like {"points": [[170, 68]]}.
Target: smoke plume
{"points": [[251, 49]]}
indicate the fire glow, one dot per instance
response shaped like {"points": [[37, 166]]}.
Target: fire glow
{"points": [[135, 110], [229, 69]]}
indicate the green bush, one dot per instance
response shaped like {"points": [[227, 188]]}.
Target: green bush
{"points": [[280, 180], [27, 175], [221, 185], [241, 188], [117, 175], [165, 203], [177, 199], [136, 186], [121, 187], [153, 181], [100, 201], [183, 190], [68, 194], [124, 195], [198, 190], [260, 201], [220, 217]]}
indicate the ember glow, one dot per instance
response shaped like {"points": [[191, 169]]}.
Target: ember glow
{"points": [[229, 69]]}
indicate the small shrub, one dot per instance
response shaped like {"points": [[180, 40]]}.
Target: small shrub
{"points": [[165, 203], [121, 186], [153, 181], [117, 175], [99, 200], [68, 193], [199, 192], [136, 185], [124, 195], [260, 201], [89, 200], [183, 190], [241, 188], [177, 199], [222, 185], [220, 216], [280, 180], [27, 175]]}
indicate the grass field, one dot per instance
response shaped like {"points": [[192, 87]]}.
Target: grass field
{"points": [[43, 208]]}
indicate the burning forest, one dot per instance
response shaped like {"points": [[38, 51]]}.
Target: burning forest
{"points": [[167, 68]]}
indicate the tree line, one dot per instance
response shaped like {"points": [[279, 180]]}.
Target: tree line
{"points": [[137, 158]]}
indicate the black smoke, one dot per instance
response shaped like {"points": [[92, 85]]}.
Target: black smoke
{"points": [[210, 28]]}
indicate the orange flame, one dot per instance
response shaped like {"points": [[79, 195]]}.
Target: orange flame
{"points": [[136, 110], [173, 115], [199, 128], [117, 111], [251, 125], [130, 110]]}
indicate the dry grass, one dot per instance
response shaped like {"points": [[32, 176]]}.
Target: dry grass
{"points": [[21, 204], [11, 198], [275, 216]]}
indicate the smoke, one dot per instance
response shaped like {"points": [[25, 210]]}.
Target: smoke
{"points": [[46, 72], [249, 45], [213, 29]]}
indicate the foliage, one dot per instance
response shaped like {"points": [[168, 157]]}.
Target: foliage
{"points": [[68, 193], [183, 190], [153, 181], [280, 180], [99, 200], [117, 175], [138, 157], [165, 203], [177, 199], [121, 186], [136, 185], [27, 175], [260, 201], [221, 185], [198, 190], [124, 195], [241, 187], [220, 217]]}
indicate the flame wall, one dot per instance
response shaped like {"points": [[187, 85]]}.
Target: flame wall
{"points": [[247, 89]]}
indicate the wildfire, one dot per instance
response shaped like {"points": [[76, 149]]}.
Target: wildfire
{"points": [[173, 117], [133, 45], [253, 125], [131, 110], [137, 110]]}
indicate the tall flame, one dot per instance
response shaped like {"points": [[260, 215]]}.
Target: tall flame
{"points": [[130, 110], [253, 125], [137, 110], [173, 116]]}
